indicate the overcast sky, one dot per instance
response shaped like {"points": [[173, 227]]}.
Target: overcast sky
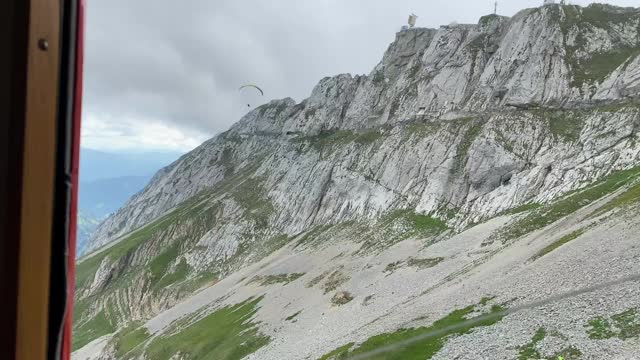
{"points": [[164, 74]]}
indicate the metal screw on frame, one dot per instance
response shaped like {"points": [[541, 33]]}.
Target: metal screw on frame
{"points": [[43, 44]]}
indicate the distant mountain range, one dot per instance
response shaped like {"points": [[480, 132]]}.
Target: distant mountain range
{"points": [[102, 197], [107, 180], [86, 224], [98, 165]]}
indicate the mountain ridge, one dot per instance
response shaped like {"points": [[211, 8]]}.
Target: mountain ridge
{"points": [[460, 143], [332, 94]]}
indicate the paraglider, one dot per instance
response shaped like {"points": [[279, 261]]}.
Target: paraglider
{"points": [[251, 86]]}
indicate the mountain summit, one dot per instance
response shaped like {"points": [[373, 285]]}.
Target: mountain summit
{"points": [[476, 168]]}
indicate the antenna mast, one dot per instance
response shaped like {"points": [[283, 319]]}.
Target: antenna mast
{"points": [[495, 8]]}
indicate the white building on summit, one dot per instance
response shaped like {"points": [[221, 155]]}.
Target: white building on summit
{"points": [[412, 20], [549, 2]]}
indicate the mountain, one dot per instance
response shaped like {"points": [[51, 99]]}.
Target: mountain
{"points": [[86, 225], [98, 199], [107, 180], [98, 165], [476, 169], [102, 197]]}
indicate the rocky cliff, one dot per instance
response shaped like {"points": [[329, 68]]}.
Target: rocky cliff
{"points": [[553, 59], [455, 127]]}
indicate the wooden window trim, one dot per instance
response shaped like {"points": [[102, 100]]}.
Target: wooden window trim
{"points": [[38, 166]]}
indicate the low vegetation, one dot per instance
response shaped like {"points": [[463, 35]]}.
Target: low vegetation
{"points": [[341, 298], [399, 225], [420, 264], [618, 105], [548, 214], [339, 353], [251, 195], [425, 225], [530, 350], [99, 325], [163, 241], [331, 140], [565, 125], [274, 109], [419, 130], [522, 208], [258, 250], [203, 279], [471, 130], [604, 15], [86, 268], [424, 263], [226, 334], [451, 325], [159, 265], [389, 229], [593, 67], [312, 234], [599, 65], [309, 113], [128, 340], [624, 325], [487, 19], [196, 210], [556, 244], [392, 267], [485, 300], [293, 316], [276, 279], [629, 197], [227, 161], [378, 77], [334, 280], [316, 280], [178, 274]]}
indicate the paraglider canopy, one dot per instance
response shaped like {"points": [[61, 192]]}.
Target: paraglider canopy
{"points": [[251, 86]]}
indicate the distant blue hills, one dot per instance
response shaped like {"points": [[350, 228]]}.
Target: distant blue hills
{"points": [[108, 180], [98, 165], [102, 197]]}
